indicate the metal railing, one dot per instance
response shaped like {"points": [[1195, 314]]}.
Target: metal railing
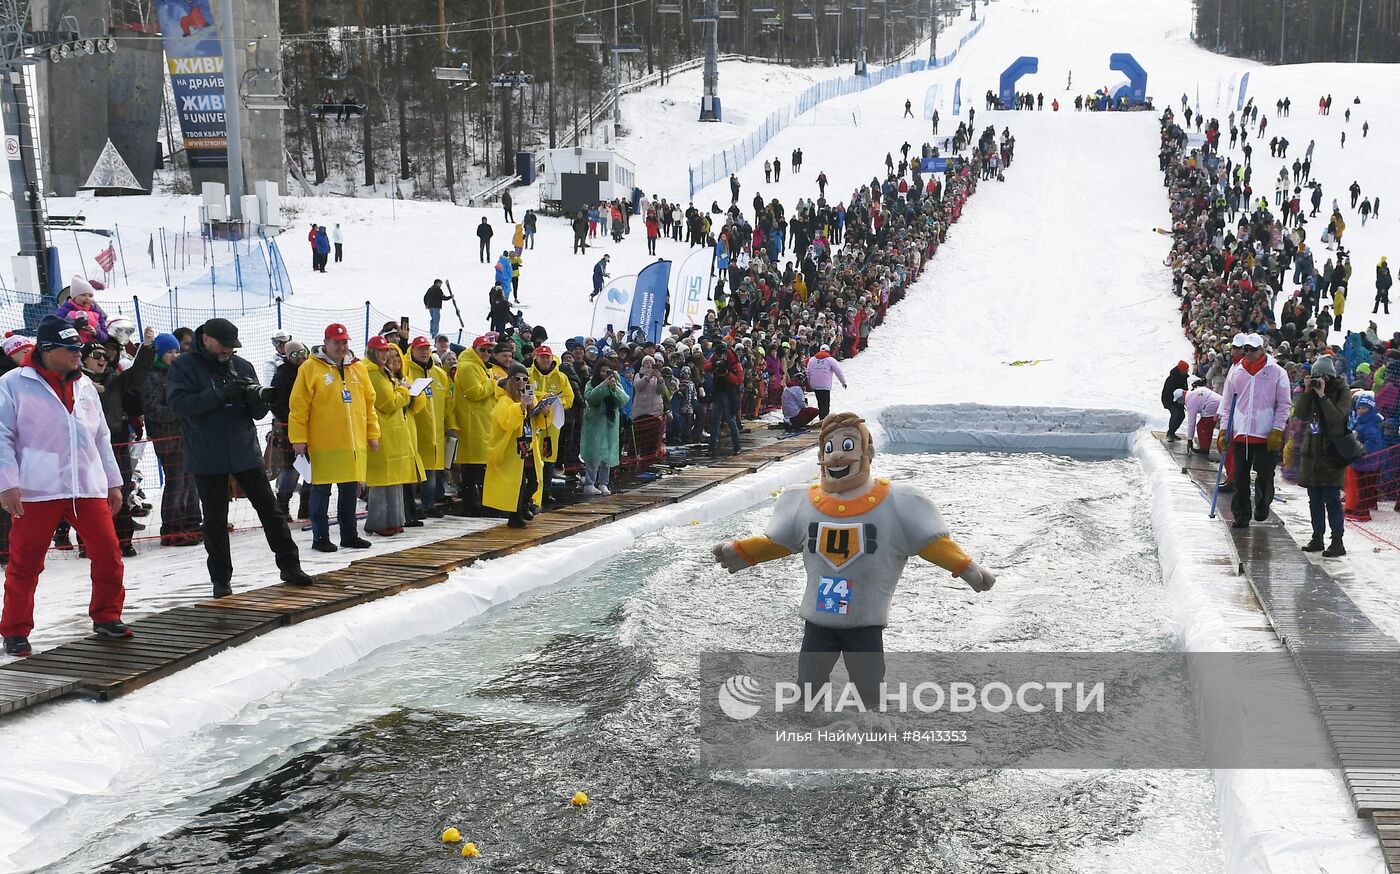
{"points": [[492, 191]]}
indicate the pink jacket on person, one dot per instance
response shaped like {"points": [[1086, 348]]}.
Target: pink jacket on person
{"points": [[48, 453], [1200, 402], [1259, 402], [819, 371]]}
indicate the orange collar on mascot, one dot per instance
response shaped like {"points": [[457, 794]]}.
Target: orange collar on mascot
{"points": [[831, 505]]}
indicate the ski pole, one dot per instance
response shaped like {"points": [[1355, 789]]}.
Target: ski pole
{"points": [[455, 308]]}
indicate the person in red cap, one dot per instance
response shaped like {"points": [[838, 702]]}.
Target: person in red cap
{"points": [[333, 423], [1174, 397], [476, 398]]}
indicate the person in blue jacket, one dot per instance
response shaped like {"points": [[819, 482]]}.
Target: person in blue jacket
{"points": [[1366, 422], [503, 274], [600, 272], [323, 247]]}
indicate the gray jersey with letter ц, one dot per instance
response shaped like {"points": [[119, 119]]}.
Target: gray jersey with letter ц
{"points": [[854, 560]]}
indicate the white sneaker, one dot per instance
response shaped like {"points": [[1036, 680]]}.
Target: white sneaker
{"points": [[591, 490], [605, 490]]}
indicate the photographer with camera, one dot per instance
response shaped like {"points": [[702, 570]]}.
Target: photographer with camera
{"points": [[218, 399], [728, 374], [1324, 405]]}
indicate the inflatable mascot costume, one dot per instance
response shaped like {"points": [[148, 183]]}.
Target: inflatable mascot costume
{"points": [[855, 535]]}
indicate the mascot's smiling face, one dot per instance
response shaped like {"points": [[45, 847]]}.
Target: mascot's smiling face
{"points": [[844, 453]]}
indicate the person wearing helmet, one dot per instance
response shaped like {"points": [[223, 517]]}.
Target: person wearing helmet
{"points": [[280, 339], [121, 332]]}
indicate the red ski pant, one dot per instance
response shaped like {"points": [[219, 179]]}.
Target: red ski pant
{"points": [[1205, 431], [30, 536]]}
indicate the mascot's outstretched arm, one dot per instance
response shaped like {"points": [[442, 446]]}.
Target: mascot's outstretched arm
{"points": [[739, 554], [946, 553]]}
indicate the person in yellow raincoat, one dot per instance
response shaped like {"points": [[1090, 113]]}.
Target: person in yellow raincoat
{"points": [[475, 398], [502, 354], [332, 422], [434, 422], [547, 379], [513, 466], [518, 241], [395, 463]]}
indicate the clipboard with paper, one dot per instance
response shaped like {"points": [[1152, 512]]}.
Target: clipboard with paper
{"points": [[556, 410]]}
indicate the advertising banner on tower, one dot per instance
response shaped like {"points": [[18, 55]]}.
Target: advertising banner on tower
{"points": [[195, 60]]}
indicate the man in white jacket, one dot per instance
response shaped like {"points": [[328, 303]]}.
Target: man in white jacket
{"points": [[56, 462], [1254, 409]]}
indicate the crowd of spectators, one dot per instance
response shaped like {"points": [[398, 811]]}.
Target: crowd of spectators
{"points": [[418, 428], [1248, 280]]}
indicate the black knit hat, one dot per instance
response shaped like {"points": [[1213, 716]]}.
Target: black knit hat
{"points": [[57, 333]]}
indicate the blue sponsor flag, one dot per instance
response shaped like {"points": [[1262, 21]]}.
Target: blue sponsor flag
{"points": [[649, 301], [957, 96], [1244, 86]]}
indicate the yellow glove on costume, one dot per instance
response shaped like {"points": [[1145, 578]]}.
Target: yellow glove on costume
{"points": [[1275, 440]]}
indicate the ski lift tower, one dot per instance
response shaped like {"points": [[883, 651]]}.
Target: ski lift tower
{"points": [[861, 21], [709, 100], [36, 266], [624, 42]]}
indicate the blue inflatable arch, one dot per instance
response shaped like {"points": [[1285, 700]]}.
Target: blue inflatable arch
{"points": [[1022, 66], [1137, 77]]}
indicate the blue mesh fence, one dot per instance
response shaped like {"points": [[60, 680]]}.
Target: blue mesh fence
{"points": [[215, 275], [719, 165], [256, 324]]}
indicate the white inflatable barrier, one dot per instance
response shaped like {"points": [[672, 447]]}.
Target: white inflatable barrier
{"points": [[978, 428]]}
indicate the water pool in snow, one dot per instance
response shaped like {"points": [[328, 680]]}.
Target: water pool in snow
{"points": [[587, 685]]}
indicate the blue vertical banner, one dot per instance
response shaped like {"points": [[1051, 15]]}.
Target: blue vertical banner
{"points": [[957, 96], [195, 60], [1244, 86], [649, 302]]}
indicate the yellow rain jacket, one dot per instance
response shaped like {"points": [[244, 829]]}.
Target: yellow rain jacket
{"points": [[476, 398], [396, 462], [436, 414], [518, 240], [550, 383], [504, 466], [332, 412]]}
